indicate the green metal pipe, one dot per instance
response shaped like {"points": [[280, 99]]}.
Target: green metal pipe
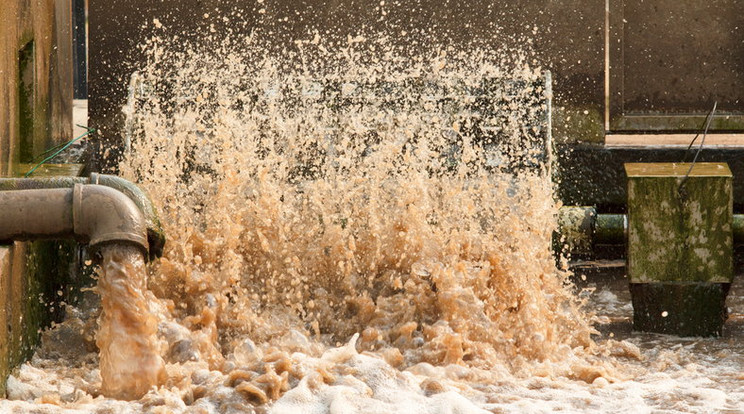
{"points": [[738, 228], [582, 228], [610, 228]]}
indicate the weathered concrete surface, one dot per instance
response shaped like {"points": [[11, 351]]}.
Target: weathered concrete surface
{"points": [[35, 114], [680, 58], [568, 40], [34, 280], [701, 64], [679, 226], [5, 287], [35, 77], [680, 246]]}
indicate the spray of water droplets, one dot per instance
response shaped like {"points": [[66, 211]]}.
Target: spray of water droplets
{"points": [[349, 218]]}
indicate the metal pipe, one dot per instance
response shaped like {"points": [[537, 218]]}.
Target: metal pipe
{"points": [[582, 228], [155, 233], [610, 228], [104, 215], [89, 213], [30, 213], [737, 227]]}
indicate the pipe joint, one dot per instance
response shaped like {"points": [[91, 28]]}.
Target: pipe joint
{"points": [[155, 233], [103, 215]]}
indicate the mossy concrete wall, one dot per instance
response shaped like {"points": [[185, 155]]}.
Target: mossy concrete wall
{"points": [[679, 223], [680, 246], [35, 78], [35, 114], [35, 278]]}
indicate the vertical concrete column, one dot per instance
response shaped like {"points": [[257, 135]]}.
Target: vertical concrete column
{"points": [[680, 246]]}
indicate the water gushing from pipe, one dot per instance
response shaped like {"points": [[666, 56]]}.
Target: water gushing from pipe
{"points": [[130, 358]]}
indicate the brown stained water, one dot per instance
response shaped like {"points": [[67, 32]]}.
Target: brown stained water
{"points": [[333, 248], [130, 360]]}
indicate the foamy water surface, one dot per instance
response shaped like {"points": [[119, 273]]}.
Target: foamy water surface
{"points": [[352, 228]]}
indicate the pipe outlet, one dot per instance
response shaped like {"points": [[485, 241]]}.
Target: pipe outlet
{"points": [[155, 234]]}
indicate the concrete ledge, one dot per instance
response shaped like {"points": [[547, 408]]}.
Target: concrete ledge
{"points": [[673, 140], [593, 174]]}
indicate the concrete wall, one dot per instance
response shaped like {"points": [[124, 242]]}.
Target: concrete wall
{"points": [[569, 39], [35, 114], [35, 277], [35, 78], [117, 27], [32, 276]]}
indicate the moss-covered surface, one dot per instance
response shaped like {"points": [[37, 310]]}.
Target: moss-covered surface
{"points": [[26, 107], [675, 124], [680, 246], [679, 226], [577, 124], [34, 277], [575, 233]]}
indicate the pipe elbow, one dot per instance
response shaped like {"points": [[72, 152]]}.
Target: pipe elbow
{"points": [[104, 215], [155, 233]]}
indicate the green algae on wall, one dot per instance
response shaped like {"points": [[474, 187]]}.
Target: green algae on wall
{"points": [[680, 246], [33, 280], [576, 124], [679, 230]]}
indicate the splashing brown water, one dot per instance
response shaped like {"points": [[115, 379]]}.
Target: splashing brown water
{"points": [[324, 191], [340, 192]]}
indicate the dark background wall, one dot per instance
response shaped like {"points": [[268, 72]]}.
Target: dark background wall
{"points": [[568, 38]]}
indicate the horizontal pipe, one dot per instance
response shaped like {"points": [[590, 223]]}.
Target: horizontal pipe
{"points": [[610, 228], [92, 214], [155, 233], [582, 228], [27, 214], [737, 227]]}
